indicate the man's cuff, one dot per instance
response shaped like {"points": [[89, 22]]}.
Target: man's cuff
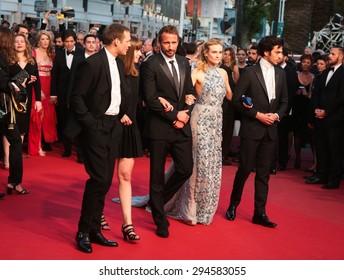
{"points": [[278, 118]]}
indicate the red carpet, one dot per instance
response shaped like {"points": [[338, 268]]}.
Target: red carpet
{"points": [[42, 224]]}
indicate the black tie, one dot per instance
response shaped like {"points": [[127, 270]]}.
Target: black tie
{"points": [[332, 69], [70, 52], [175, 76]]}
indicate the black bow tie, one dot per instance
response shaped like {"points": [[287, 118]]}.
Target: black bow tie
{"points": [[331, 69], [71, 52]]}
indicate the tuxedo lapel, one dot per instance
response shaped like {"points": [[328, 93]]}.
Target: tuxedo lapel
{"points": [[334, 76], [182, 69], [63, 59], [278, 81], [106, 66], [167, 71], [261, 80]]}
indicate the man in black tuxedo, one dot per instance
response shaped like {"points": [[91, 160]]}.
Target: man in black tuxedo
{"points": [[284, 127], [328, 112], [167, 75], [62, 76], [265, 83], [98, 100]]}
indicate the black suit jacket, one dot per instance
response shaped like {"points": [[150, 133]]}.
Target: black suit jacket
{"points": [[330, 97], [157, 81], [292, 85], [61, 75], [91, 93], [252, 84]]}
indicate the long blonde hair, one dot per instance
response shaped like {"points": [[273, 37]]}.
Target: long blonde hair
{"points": [[13, 59], [202, 62]]}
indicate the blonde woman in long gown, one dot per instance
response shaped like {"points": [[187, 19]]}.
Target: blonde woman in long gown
{"points": [[197, 201]]}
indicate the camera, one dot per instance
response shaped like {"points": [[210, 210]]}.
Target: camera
{"points": [[52, 11]]}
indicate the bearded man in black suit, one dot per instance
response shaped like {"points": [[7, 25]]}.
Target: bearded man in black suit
{"points": [[265, 83], [169, 132], [328, 114], [98, 100]]}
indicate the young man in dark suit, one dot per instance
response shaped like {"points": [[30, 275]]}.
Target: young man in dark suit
{"points": [[61, 76], [328, 113], [167, 75], [98, 100], [265, 83], [284, 127]]}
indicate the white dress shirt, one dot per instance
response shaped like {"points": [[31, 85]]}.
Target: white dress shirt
{"points": [[269, 78], [167, 59], [115, 86], [69, 58]]}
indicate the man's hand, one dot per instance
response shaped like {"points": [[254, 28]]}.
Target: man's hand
{"points": [[183, 116], [178, 124], [267, 119], [125, 120]]}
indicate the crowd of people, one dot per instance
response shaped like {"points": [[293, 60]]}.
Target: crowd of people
{"points": [[115, 97]]}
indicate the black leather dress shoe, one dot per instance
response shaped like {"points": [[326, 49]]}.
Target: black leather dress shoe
{"points": [[282, 167], [314, 180], [273, 172], [66, 154], [330, 186], [263, 220], [83, 242], [231, 213], [2, 195], [162, 231], [98, 238], [226, 162]]}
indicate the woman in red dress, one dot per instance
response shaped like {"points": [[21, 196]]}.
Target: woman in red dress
{"points": [[43, 123]]}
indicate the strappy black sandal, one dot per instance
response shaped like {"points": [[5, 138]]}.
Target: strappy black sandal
{"points": [[129, 234], [103, 223]]}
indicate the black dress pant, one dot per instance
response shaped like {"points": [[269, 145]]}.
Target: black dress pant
{"points": [[227, 130], [101, 147], [180, 148], [329, 149], [254, 153], [284, 127], [15, 157]]}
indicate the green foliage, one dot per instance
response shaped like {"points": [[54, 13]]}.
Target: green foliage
{"points": [[255, 11]]}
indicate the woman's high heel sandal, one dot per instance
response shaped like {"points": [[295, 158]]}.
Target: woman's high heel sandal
{"points": [[103, 223], [129, 234], [11, 188]]}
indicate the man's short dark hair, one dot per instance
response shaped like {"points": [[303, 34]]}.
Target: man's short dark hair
{"points": [[341, 49], [190, 48], [168, 29], [21, 25], [68, 33], [267, 43], [88, 36], [114, 31]]}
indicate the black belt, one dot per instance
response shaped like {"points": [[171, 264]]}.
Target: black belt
{"points": [[110, 117]]}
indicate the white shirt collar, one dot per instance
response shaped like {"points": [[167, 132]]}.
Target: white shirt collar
{"points": [[167, 58], [265, 64], [110, 56]]}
